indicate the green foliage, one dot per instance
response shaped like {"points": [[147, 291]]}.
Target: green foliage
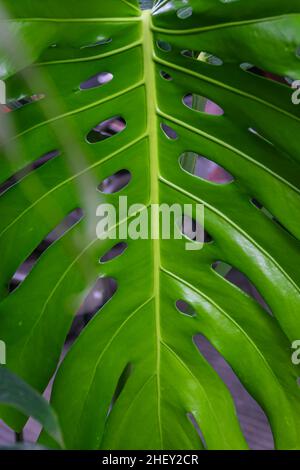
{"points": [[17, 394], [50, 48]]}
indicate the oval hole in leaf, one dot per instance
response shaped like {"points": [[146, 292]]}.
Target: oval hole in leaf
{"points": [[124, 377], [202, 56], [168, 132], [164, 46], [165, 75], [201, 104], [191, 229], [58, 232], [101, 292], [240, 280], [189, 53], [106, 129], [100, 42], [14, 179], [24, 101], [184, 13], [250, 68], [250, 414], [203, 168], [209, 59], [97, 80], [114, 252], [115, 182], [196, 426], [185, 308], [246, 66]]}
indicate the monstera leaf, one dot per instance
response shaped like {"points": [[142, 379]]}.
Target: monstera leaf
{"points": [[110, 89]]}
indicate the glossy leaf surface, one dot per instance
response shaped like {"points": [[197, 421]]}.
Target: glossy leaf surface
{"points": [[140, 330]]}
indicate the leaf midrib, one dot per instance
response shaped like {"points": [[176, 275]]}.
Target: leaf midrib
{"points": [[150, 89]]}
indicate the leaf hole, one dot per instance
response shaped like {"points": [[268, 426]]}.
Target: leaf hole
{"points": [[250, 68], [97, 80], [24, 101], [166, 76], [106, 129], [253, 420], [196, 426], [124, 377], [201, 104], [184, 13], [102, 291], [202, 56], [116, 251], [169, 132], [185, 308], [241, 281], [164, 46], [115, 182], [203, 168], [19, 175], [58, 232], [101, 41], [191, 229]]}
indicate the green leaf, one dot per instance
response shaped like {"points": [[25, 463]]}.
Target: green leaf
{"points": [[134, 375], [19, 395]]}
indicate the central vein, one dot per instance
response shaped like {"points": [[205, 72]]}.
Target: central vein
{"points": [[149, 77]]}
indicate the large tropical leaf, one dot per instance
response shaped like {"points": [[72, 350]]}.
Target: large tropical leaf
{"points": [[134, 376]]}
